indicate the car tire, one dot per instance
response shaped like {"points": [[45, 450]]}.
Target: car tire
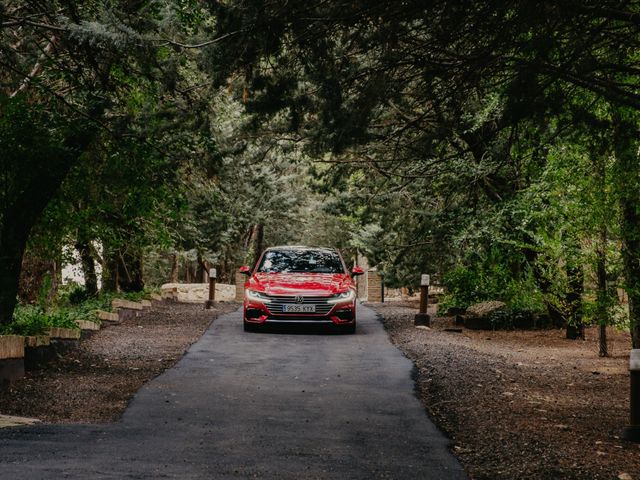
{"points": [[349, 329], [250, 327]]}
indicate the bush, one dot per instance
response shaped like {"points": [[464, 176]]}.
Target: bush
{"points": [[466, 286], [72, 294], [78, 295], [33, 320], [73, 304]]}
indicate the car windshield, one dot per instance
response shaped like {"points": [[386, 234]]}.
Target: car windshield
{"points": [[301, 261]]}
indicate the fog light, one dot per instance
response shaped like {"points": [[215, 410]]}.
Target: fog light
{"points": [[253, 313], [345, 314]]}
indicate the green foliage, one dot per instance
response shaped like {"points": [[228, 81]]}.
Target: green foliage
{"points": [[478, 283], [33, 320], [501, 159], [71, 305]]}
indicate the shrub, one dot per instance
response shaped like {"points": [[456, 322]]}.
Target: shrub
{"points": [[33, 320], [73, 304], [466, 286]]}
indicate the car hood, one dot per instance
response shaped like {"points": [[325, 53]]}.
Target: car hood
{"points": [[300, 283]]}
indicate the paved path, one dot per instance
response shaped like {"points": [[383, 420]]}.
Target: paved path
{"points": [[254, 405]]}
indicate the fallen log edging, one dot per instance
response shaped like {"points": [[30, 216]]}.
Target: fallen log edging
{"points": [[19, 352], [11, 358]]}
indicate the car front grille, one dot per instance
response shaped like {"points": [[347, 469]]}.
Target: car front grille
{"points": [[299, 318], [321, 303]]}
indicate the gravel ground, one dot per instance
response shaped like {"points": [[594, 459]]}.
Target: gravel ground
{"points": [[525, 404], [94, 383]]}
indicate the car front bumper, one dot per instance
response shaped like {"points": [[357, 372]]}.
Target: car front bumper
{"points": [[342, 313]]}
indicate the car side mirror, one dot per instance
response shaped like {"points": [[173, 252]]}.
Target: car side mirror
{"points": [[357, 271], [245, 270]]}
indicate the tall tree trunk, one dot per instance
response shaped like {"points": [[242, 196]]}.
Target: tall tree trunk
{"points": [[202, 269], [256, 244], [12, 245], [130, 272], [575, 325], [109, 269], [602, 294], [175, 269], [88, 265], [628, 178], [556, 316], [38, 181], [53, 292], [17, 220]]}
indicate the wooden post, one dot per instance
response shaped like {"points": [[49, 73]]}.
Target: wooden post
{"points": [[422, 318], [212, 288], [374, 286], [240, 279], [632, 432]]}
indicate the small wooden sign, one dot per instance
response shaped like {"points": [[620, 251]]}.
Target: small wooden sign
{"points": [[212, 273], [424, 280]]}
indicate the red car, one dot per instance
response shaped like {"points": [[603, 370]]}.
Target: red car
{"points": [[300, 284]]}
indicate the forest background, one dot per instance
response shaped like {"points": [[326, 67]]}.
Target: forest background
{"points": [[493, 144]]}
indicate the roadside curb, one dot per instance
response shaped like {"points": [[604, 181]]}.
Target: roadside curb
{"points": [[11, 421], [11, 358], [18, 353]]}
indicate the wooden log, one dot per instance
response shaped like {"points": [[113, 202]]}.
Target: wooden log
{"points": [[11, 346], [87, 325], [121, 303], [11, 358], [34, 341], [108, 316], [59, 333]]}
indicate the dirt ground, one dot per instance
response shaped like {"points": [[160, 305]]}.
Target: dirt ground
{"points": [[517, 405], [525, 404], [95, 382]]}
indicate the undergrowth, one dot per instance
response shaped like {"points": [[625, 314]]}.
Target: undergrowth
{"points": [[70, 305]]}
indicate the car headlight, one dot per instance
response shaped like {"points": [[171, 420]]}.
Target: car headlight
{"points": [[347, 296], [257, 296]]}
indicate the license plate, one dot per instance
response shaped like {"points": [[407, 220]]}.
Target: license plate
{"points": [[299, 308]]}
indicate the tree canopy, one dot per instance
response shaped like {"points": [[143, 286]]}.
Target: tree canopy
{"points": [[491, 143]]}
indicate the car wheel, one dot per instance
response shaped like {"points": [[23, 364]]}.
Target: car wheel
{"points": [[250, 327], [349, 329]]}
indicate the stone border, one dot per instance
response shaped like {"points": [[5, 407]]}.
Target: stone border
{"points": [[169, 293]]}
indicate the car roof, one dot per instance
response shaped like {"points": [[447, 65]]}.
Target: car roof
{"points": [[300, 247]]}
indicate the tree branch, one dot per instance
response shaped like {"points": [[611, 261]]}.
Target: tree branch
{"points": [[197, 45], [37, 68]]}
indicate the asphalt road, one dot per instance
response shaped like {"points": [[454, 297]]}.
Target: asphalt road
{"points": [[280, 405]]}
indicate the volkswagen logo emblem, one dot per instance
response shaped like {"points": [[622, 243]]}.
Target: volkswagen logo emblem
{"points": [[299, 299]]}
